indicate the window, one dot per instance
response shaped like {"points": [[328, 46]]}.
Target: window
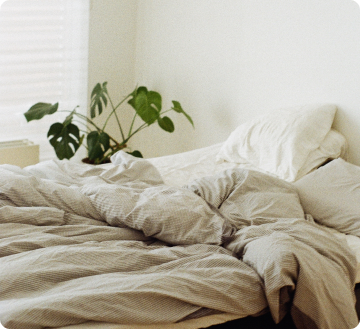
{"points": [[43, 57]]}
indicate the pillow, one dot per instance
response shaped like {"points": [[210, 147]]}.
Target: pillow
{"points": [[331, 194], [280, 143], [333, 146]]}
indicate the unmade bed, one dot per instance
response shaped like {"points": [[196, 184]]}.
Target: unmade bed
{"points": [[188, 240]]}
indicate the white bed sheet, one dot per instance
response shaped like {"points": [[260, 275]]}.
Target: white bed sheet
{"points": [[180, 169]]}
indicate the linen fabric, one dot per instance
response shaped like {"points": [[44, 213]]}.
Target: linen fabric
{"points": [[85, 262], [332, 147], [137, 198], [331, 195], [280, 143], [248, 197]]}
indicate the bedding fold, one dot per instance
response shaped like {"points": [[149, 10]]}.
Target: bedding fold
{"points": [[81, 243]]}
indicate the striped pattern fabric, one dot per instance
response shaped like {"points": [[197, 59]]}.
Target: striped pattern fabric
{"points": [[77, 245]]}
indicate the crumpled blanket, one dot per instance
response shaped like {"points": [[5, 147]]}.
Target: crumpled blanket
{"points": [[315, 271], [84, 243]]}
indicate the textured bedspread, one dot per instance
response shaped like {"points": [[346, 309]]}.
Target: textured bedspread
{"points": [[82, 243]]}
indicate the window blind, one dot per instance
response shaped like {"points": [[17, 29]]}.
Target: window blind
{"points": [[43, 57]]}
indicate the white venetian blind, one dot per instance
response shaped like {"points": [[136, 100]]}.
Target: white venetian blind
{"points": [[43, 57]]}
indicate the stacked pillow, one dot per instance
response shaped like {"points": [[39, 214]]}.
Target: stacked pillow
{"points": [[331, 194], [287, 143], [332, 147]]}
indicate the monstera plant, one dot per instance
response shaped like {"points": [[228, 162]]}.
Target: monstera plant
{"points": [[66, 137]]}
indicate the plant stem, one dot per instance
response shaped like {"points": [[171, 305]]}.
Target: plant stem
{"points": [[114, 108], [117, 119], [132, 124], [92, 123], [84, 124], [144, 125], [84, 118], [98, 129]]}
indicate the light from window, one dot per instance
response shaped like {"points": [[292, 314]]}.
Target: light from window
{"points": [[43, 57]]}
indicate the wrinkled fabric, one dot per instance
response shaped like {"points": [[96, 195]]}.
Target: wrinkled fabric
{"points": [[72, 250]]}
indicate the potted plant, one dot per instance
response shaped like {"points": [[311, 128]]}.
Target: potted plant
{"points": [[66, 137]]}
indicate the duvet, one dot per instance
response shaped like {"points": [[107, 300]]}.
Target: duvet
{"points": [[83, 243]]}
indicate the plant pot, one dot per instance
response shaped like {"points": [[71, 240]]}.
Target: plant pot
{"points": [[88, 161]]}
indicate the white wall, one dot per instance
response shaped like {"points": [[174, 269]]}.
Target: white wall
{"points": [[226, 61], [112, 50]]}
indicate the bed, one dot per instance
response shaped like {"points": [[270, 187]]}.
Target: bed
{"points": [[236, 230]]}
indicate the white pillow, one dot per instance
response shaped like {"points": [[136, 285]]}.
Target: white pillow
{"points": [[333, 146], [280, 142], [331, 194]]}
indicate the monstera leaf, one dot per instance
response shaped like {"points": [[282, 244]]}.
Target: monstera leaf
{"points": [[177, 107], [147, 104], [136, 154], [65, 138], [39, 110], [166, 124], [98, 99], [98, 144]]}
